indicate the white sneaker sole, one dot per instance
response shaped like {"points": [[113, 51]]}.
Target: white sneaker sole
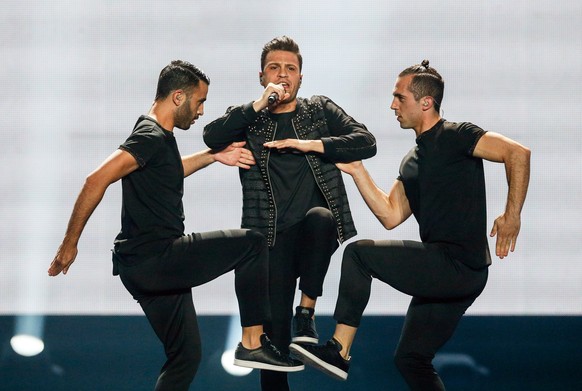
{"points": [[313, 360], [312, 340], [270, 367]]}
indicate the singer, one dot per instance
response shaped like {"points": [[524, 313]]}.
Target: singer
{"points": [[297, 200]]}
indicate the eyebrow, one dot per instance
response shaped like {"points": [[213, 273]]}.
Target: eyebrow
{"points": [[282, 63]]}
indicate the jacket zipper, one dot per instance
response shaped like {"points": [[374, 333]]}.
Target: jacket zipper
{"points": [[271, 187], [319, 186]]}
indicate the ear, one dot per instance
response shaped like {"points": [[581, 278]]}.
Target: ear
{"points": [[261, 79], [178, 96], [426, 102]]}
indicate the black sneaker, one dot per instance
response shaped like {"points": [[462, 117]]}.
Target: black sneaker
{"points": [[266, 357], [304, 326], [326, 358]]}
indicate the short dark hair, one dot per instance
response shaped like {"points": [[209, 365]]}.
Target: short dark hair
{"points": [[179, 75], [281, 43], [426, 82]]}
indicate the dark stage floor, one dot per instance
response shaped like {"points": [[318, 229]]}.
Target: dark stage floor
{"points": [[122, 353]]}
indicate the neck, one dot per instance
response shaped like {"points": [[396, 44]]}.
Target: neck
{"points": [[427, 124], [162, 115], [284, 107]]}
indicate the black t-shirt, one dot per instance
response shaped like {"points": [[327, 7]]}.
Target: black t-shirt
{"points": [[445, 187], [152, 213], [294, 186]]}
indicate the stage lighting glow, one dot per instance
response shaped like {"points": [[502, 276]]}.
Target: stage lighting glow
{"points": [[27, 345], [232, 339], [227, 361]]}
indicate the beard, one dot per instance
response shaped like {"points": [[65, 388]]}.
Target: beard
{"points": [[183, 118]]}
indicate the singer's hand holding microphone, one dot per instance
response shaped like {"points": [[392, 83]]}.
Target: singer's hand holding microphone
{"points": [[276, 93], [272, 95]]}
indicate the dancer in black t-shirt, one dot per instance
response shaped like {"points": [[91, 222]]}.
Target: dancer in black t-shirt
{"points": [[442, 184], [156, 261]]}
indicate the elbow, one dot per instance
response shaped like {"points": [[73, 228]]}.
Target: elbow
{"points": [[94, 183], [368, 152], [387, 223], [373, 150], [97, 181], [389, 226], [207, 138], [524, 154], [527, 153]]}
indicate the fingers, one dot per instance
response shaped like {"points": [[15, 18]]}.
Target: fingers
{"points": [[270, 89], [513, 242], [281, 144], [278, 89], [493, 229], [246, 159], [506, 229], [238, 144], [502, 247], [55, 268], [504, 244], [273, 144]]}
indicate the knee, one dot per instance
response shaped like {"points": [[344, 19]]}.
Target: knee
{"points": [[353, 251], [257, 240], [322, 217]]}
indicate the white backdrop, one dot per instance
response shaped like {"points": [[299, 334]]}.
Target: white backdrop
{"points": [[75, 75]]}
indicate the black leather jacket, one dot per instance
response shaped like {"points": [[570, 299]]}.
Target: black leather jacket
{"points": [[317, 118]]}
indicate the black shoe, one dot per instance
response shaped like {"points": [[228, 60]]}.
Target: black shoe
{"points": [[326, 358], [304, 326], [266, 357]]}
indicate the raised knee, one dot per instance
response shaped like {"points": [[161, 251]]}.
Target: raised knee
{"points": [[322, 216], [352, 250], [257, 239]]}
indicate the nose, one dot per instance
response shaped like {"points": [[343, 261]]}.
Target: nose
{"points": [[201, 110], [393, 104]]}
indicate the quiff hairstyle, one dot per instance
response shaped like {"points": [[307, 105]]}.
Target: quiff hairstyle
{"points": [[281, 43]]}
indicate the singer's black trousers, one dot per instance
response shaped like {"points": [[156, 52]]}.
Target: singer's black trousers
{"points": [[302, 251], [162, 286], [442, 289]]}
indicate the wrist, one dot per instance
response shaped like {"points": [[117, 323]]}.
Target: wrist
{"points": [[258, 105]]}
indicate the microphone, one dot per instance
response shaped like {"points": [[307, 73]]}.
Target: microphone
{"points": [[273, 98]]}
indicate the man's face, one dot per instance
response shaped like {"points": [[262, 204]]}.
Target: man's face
{"points": [[282, 67], [408, 110], [192, 107]]}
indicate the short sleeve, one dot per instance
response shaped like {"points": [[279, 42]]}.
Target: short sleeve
{"points": [[469, 135], [144, 142]]}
